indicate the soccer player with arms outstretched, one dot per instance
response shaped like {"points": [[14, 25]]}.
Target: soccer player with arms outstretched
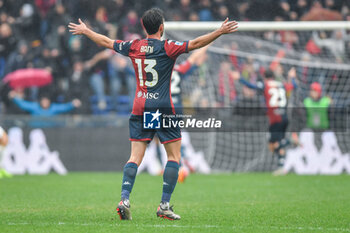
{"points": [[153, 60], [275, 93]]}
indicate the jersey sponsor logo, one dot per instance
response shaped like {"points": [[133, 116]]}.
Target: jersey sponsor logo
{"points": [[148, 95], [151, 120]]}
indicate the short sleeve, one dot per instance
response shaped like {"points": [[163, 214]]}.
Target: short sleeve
{"points": [[122, 47], [175, 48]]}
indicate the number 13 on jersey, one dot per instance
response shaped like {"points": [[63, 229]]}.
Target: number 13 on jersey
{"points": [[148, 65]]}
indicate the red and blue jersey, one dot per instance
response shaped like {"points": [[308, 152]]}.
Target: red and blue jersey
{"points": [[276, 100], [153, 61], [275, 93]]}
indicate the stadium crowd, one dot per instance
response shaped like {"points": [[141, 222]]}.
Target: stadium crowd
{"points": [[33, 34]]}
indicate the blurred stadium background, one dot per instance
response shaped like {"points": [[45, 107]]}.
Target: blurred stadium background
{"points": [[93, 135]]}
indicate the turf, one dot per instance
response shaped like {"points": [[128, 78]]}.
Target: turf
{"points": [[85, 202]]}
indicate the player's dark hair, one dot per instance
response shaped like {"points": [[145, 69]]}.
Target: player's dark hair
{"points": [[152, 19], [269, 74]]}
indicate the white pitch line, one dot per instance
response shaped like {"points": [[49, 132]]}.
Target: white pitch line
{"points": [[242, 227], [332, 229]]}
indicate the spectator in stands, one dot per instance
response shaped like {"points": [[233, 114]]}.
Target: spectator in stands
{"points": [[76, 83], [248, 69], [57, 18], [44, 107], [336, 44], [205, 11], [117, 9], [222, 12], [185, 9], [193, 16], [121, 71], [118, 68], [19, 58], [97, 67], [8, 43], [7, 40], [43, 7], [299, 9], [227, 89], [131, 27], [28, 23]]}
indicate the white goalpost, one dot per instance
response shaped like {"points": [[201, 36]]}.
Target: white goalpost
{"points": [[260, 26], [319, 51]]}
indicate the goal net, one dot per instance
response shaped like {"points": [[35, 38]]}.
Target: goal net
{"points": [[319, 52]]}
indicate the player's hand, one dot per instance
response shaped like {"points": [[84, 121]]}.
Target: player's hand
{"points": [[12, 94], [229, 27], [292, 73], [76, 103], [235, 75], [61, 30], [78, 29]]}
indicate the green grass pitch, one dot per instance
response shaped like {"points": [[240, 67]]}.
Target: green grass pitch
{"points": [[85, 202]]}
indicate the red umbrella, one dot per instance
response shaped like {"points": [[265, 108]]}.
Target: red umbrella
{"points": [[24, 78], [318, 13]]}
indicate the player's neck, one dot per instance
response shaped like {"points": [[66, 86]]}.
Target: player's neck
{"points": [[154, 36]]}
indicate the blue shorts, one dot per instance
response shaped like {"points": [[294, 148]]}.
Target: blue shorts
{"points": [[138, 133]]}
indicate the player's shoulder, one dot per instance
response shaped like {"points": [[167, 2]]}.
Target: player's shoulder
{"points": [[273, 83], [174, 42], [132, 42]]}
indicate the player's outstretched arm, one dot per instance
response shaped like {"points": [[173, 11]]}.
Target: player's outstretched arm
{"points": [[82, 29], [201, 41]]}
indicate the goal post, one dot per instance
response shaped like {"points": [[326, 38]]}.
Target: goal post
{"points": [[319, 51], [260, 26]]}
